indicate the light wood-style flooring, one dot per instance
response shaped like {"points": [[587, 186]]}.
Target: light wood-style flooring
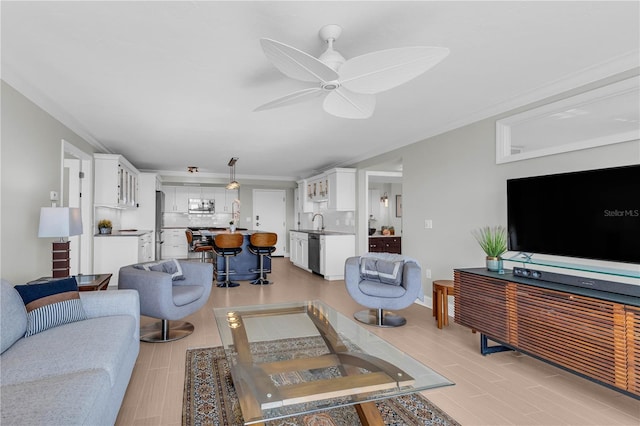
{"points": [[500, 389]]}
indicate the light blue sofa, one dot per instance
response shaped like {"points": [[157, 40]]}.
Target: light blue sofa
{"points": [[72, 374]]}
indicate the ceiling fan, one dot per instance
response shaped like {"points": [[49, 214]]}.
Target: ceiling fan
{"points": [[349, 86]]}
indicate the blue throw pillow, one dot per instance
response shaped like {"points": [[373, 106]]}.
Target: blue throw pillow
{"points": [[384, 271], [51, 304], [171, 267]]}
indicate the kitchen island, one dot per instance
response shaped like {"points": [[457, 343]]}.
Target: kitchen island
{"points": [[243, 264]]}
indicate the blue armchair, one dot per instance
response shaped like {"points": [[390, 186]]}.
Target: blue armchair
{"points": [[383, 281], [169, 290]]}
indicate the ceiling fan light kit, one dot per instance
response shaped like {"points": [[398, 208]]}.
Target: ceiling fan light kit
{"points": [[349, 86]]}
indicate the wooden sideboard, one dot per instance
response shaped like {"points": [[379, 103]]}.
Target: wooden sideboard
{"points": [[386, 244], [592, 333]]}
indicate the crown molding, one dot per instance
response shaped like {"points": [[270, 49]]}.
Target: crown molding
{"points": [[592, 74], [39, 98]]}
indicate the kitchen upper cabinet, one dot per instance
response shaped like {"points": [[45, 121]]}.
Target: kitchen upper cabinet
{"points": [[221, 200], [224, 199], [208, 193], [342, 190], [116, 182], [305, 205], [176, 199], [336, 187], [318, 188]]}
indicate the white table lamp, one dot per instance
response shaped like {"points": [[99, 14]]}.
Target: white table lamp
{"points": [[60, 222]]}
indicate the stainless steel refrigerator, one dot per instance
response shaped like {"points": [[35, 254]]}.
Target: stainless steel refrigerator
{"points": [[158, 230]]}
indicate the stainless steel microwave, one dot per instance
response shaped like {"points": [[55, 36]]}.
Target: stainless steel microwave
{"points": [[198, 205]]}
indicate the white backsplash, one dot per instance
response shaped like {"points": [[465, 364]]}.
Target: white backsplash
{"points": [[333, 221], [218, 220], [114, 215]]}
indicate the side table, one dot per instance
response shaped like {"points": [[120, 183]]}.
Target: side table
{"points": [[90, 282], [440, 303]]}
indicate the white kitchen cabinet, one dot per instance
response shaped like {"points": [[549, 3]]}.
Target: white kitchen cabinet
{"points": [[334, 251], [145, 248], [299, 249], [208, 193], [336, 187], [224, 199], [305, 205], [110, 253], [318, 188], [175, 244], [341, 190], [116, 182], [221, 200], [176, 199]]}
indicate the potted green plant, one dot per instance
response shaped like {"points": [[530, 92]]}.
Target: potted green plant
{"points": [[104, 226], [493, 240]]}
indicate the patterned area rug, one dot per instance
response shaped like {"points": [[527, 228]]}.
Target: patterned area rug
{"points": [[210, 398]]}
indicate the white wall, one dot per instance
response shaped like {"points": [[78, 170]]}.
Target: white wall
{"points": [[453, 180], [31, 167]]}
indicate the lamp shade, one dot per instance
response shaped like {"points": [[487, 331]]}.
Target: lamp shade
{"points": [[58, 222]]}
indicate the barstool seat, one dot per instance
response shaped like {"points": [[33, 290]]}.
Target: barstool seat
{"points": [[198, 247], [262, 244], [227, 245]]}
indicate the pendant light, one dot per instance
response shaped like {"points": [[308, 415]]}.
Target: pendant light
{"points": [[233, 183]]}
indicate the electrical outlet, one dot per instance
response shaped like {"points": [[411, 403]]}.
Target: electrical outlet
{"points": [[428, 224], [53, 196], [427, 272]]}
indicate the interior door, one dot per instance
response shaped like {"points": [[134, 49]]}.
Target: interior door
{"points": [[270, 213]]}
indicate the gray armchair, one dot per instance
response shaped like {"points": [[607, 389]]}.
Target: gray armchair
{"points": [[170, 291], [382, 281]]}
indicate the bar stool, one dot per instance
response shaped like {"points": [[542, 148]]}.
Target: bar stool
{"points": [[440, 304], [227, 245], [198, 247], [262, 244]]}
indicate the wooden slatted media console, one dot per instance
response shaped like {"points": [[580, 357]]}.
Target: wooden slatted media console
{"points": [[592, 333]]}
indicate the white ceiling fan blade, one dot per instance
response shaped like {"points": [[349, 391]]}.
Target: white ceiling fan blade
{"points": [[346, 104], [295, 63], [291, 98], [383, 70]]}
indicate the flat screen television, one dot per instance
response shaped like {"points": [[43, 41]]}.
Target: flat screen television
{"points": [[593, 214]]}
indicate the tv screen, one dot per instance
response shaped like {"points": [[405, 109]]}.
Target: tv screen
{"points": [[592, 214]]}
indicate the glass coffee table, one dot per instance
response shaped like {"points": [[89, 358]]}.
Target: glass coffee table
{"points": [[296, 358]]}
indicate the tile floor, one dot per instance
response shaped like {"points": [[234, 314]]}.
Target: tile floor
{"points": [[500, 389]]}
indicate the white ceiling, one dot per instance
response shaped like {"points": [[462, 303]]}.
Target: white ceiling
{"points": [[173, 84]]}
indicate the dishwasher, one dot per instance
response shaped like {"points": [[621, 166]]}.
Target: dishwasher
{"points": [[314, 253]]}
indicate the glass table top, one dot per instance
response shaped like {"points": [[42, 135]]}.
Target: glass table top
{"points": [[295, 358]]}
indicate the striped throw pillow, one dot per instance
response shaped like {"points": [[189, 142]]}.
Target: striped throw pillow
{"points": [[51, 304]]}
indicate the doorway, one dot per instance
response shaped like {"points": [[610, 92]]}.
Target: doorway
{"points": [[77, 190], [270, 215]]}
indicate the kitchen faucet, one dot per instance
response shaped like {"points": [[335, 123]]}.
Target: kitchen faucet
{"points": [[321, 222]]}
